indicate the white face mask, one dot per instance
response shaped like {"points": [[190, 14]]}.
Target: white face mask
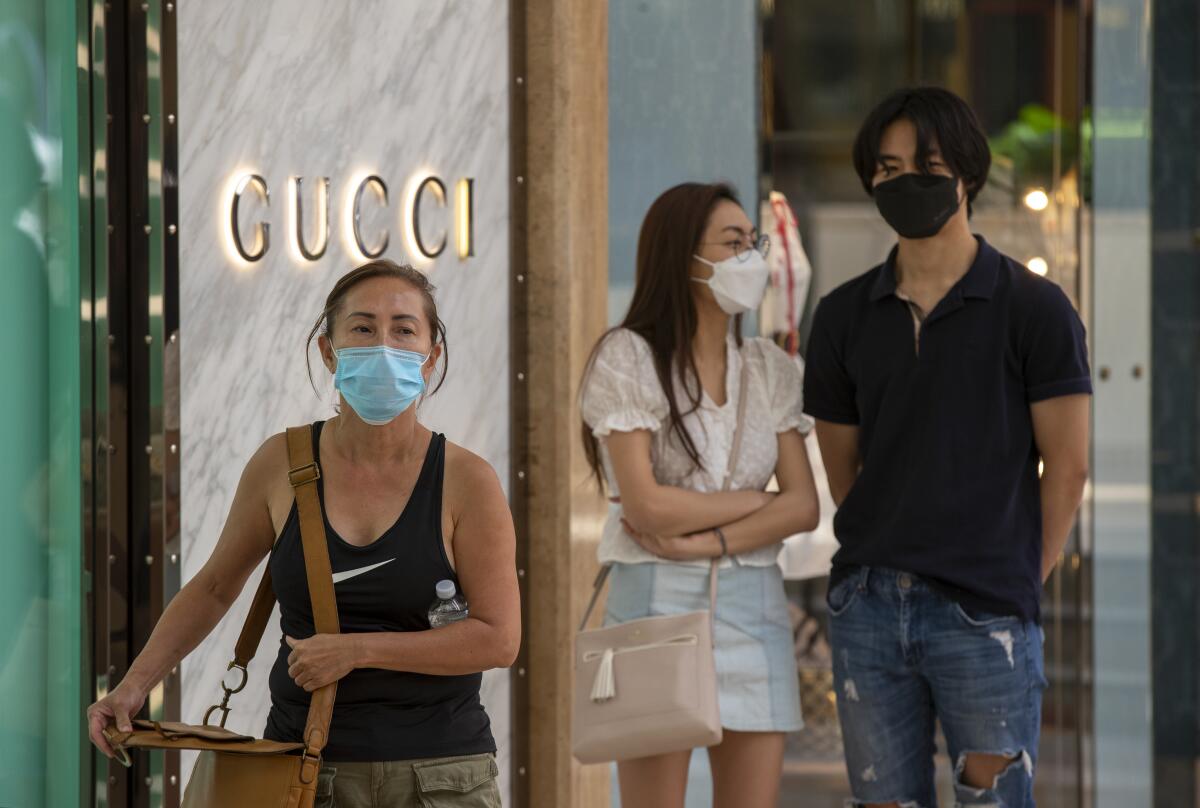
{"points": [[738, 283]]}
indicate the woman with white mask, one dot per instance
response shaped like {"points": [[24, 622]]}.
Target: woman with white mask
{"points": [[660, 401]]}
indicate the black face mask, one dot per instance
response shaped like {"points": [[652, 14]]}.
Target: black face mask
{"points": [[917, 205]]}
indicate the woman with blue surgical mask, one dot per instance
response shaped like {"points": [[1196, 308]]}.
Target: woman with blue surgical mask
{"points": [[408, 517], [660, 401]]}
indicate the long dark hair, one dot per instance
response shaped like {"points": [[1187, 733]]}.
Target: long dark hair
{"points": [[662, 310]]}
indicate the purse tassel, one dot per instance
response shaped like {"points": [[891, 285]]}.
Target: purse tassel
{"points": [[604, 688]]}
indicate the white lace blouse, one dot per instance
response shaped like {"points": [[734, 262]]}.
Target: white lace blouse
{"points": [[622, 393]]}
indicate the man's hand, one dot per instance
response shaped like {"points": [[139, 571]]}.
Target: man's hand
{"points": [[1060, 430]]}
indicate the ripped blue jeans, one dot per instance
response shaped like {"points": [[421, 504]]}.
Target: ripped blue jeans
{"points": [[905, 656]]}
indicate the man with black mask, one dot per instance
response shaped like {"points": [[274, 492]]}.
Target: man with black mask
{"points": [[940, 381]]}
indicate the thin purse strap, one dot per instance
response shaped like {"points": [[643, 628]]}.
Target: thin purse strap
{"points": [[597, 588], [734, 451], [303, 476], [736, 447]]}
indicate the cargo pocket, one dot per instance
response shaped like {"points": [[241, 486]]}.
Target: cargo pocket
{"points": [[324, 797], [466, 782]]}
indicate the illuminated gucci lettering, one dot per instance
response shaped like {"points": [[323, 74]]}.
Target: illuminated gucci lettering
{"points": [[310, 220], [439, 192], [381, 193], [466, 217], [296, 205], [262, 230]]}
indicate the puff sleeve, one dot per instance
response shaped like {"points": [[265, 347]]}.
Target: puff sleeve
{"points": [[621, 392], [785, 389]]}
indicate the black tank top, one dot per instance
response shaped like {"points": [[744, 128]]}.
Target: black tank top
{"points": [[388, 585]]}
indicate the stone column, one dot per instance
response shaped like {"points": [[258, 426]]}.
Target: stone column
{"points": [[561, 212]]}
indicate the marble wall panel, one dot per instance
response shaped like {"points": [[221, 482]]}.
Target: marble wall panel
{"points": [[287, 88]]}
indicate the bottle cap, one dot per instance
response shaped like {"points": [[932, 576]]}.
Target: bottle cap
{"points": [[446, 589]]}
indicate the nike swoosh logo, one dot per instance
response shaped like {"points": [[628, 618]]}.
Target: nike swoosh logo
{"points": [[338, 577]]}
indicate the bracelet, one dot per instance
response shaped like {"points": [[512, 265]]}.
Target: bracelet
{"points": [[721, 538]]}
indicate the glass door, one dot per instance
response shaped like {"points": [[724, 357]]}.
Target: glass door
{"points": [[42, 237], [1023, 67]]}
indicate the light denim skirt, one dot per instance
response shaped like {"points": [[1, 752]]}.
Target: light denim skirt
{"points": [[757, 684]]}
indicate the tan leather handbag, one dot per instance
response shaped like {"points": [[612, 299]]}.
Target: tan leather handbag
{"points": [[649, 686], [239, 771]]}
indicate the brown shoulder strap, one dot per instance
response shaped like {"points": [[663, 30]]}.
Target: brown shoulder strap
{"points": [[303, 475], [256, 622], [264, 598]]}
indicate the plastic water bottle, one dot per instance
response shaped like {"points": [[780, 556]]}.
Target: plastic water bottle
{"points": [[449, 606]]}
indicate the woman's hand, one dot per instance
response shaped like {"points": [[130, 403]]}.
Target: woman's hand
{"points": [[118, 707], [704, 545], [321, 659]]}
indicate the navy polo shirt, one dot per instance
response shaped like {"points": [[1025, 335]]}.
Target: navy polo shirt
{"points": [[948, 487]]}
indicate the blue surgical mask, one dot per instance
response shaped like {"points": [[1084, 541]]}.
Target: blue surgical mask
{"points": [[379, 382]]}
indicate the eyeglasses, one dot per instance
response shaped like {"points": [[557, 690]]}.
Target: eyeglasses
{"points": [[742, 247]]}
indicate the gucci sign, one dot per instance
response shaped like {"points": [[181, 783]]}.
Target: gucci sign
{"points": [[425, 240]]}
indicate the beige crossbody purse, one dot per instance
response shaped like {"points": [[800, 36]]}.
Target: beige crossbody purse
{"points": [[649, 686]]}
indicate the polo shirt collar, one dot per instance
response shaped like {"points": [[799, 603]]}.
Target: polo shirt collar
{"points": [[979, 282]]}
